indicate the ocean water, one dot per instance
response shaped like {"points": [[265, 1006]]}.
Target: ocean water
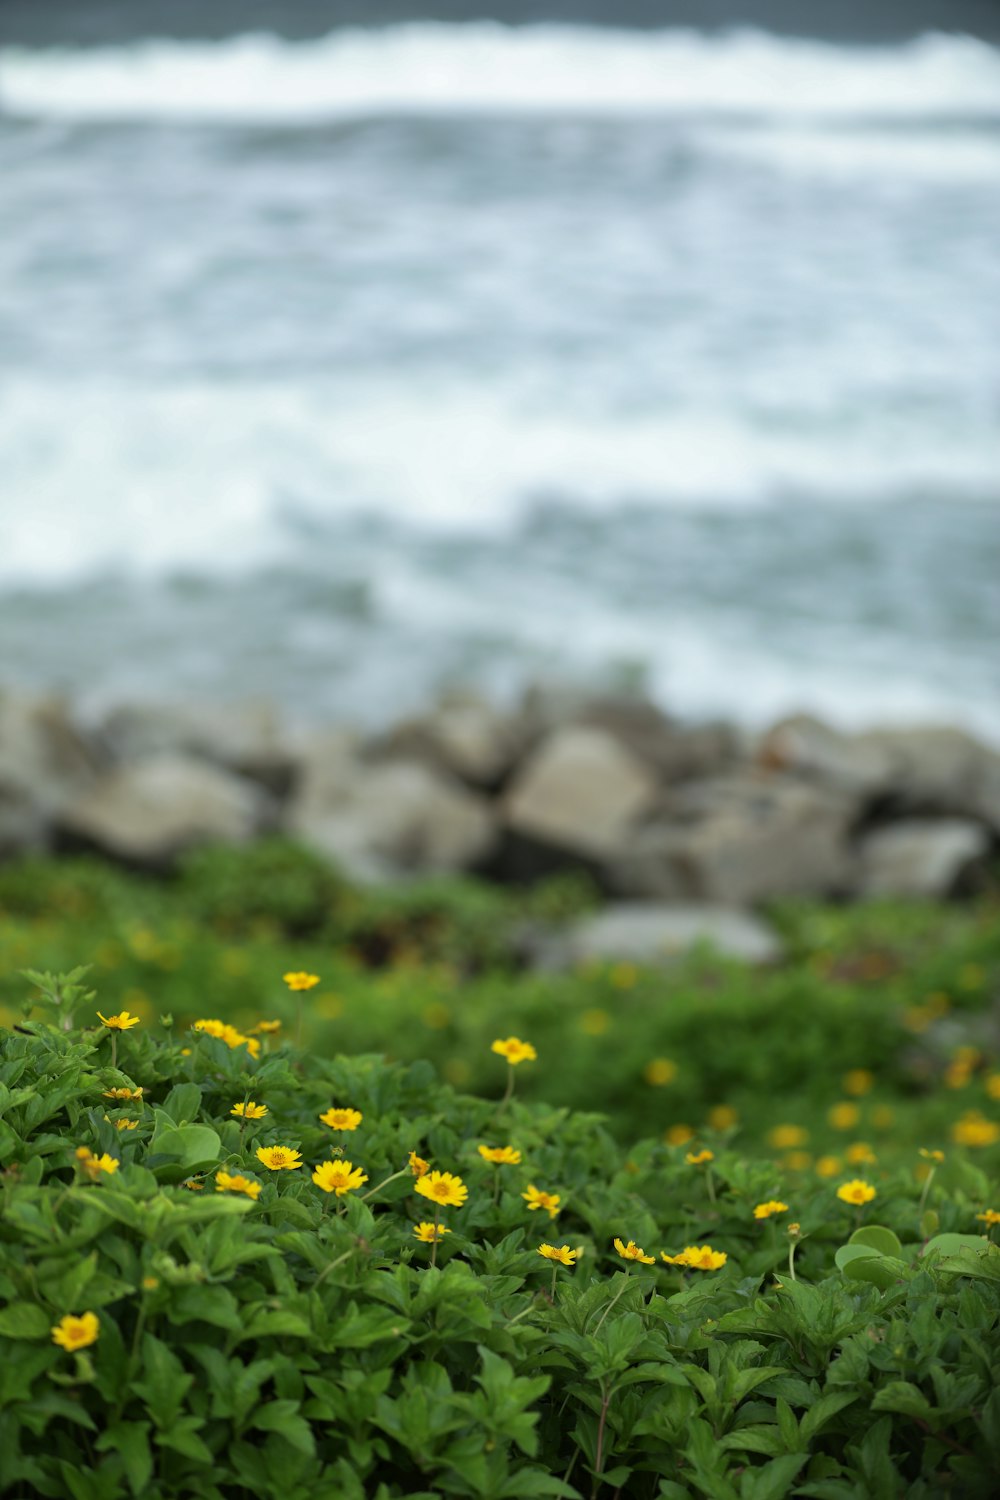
{"points": [[343, 370]]}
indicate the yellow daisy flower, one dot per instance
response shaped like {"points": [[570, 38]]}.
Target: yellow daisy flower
{"points": [[562, 1253], [236, 1183], [76, 1332], [536, 1198], [772, 1206], [122, 1022], [501, 1155], [514, 1050], [427, 1233], [300, 980], [856, 1192], [632, 1251], [279, 1158], [443, 1188], [338, 1177], [249, 1111], [342, 1118]]}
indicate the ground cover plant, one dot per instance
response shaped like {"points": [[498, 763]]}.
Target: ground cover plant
{"points": [[878, 1033], [229, 1268]]}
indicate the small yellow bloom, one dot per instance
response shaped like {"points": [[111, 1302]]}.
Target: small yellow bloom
{"points": [[338, 1177], [935, 1156], [279, 1158], [150, 1283], [562, 1253], [427, 1233], [300, 980], [828, 1166], [858, 1081], [224, 1183], [595, 1022], [957, 1075], [123, 1093], [342, 1118], [699, 1158], [501, 1155], [974, 1130], [126, 1124], [122, 1022], [860, 1154], [659, 1072], [678, 1135], [249, 1111], [722, 1117], [632, 1251], [514, 1050], [223, 1032], [193, 1185], [784, 1137], [856, 1192], [993, 1085], [93, 1165], [417, 1165], [772, 1206], [797, 1161], [990, 1217], [794, 1230], [268, 1028], [536, 1198], [72, 1333], [442, 1187], [703, 1257], [843, 1116]]}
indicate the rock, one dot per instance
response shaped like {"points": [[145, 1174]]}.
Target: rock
{"points": [[921, 857], [45, 761], [652, 935], [464, 736], [248, 738], [739, 841], [940, 770], [149, 813], [386, 821], [811, 749], [673, 751], [580, 794]]}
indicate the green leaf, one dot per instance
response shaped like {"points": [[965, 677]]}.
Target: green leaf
{"points": [[194, 1145], [774, 1479], [901, 1396], [283, 1417], [131, 1441], [882, 1271], [878, 1238], [24, 1320], [951, 1244]]}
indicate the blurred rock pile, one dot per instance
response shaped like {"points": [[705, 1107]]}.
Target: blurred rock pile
{"points": [[657, 811]]}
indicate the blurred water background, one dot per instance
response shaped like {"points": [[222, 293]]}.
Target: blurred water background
{"points": [[342, 367]]}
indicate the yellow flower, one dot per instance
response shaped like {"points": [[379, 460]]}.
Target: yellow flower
{"points": [[722, 1117], [268, 1028], [828, 1166], [338, 1177], [702, 1257], [957, 1074], [122, 1022], [514, 1050], [342, 1118], [193, 1185], [126, 1124], [990, 1217], [632, 1251], [860, 1154], [797, 1161], [300, 980], [123, 1093], [150, 1283], [786, 1136], [677, 1135], [659, 1072], [536, 1198], [562, 1253], [993, 1085], [417, 1165], [224, 1183], [973, 1130], [772, 1206], [501, 1155], [211, 1026], [95, 1165], [843, 1116], [279, 1158], [699, 1158], [856, 1192], [249, 1111], [595, 1022], [427, 1233], [934, 1156], [794, 1230], [223, 1032], [74, 1333], [858, 1081], [443, 1188]]}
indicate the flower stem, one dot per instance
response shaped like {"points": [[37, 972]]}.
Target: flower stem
{"points": [[114, 1049], [791, 1258], [434, 1247], [384, 1183], [927, 1187], [508, 1091], [604, 1314]]}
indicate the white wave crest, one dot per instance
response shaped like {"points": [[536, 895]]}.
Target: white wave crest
{"points": [[435, 68]]}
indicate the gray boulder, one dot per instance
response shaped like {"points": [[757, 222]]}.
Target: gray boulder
{"points": [[580, 794], [941, 770], [739, 841], [463, 736], [812, 750], [45, 761], [922, 857], [652, 935], [388, 821], [151, 812], [248, 738]]}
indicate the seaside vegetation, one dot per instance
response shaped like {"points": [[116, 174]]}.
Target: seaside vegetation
{"points": [[230, 1266]]}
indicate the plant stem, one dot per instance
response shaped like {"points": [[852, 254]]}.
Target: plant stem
{"points": [[599, 1455], [333, 1263], [927, 1188], [384, 1183], [553, 1292], [628, 1272], [508, 1091], [791, 1258], [434, 1247], [114, 1049]]}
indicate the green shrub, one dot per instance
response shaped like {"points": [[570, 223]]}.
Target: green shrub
{"points": [[278, 1340]]}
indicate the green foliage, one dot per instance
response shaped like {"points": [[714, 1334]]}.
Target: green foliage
{"points": [[285, 1341]]}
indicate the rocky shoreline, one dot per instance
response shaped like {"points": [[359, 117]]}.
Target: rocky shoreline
{"points": [[668, 818]]}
